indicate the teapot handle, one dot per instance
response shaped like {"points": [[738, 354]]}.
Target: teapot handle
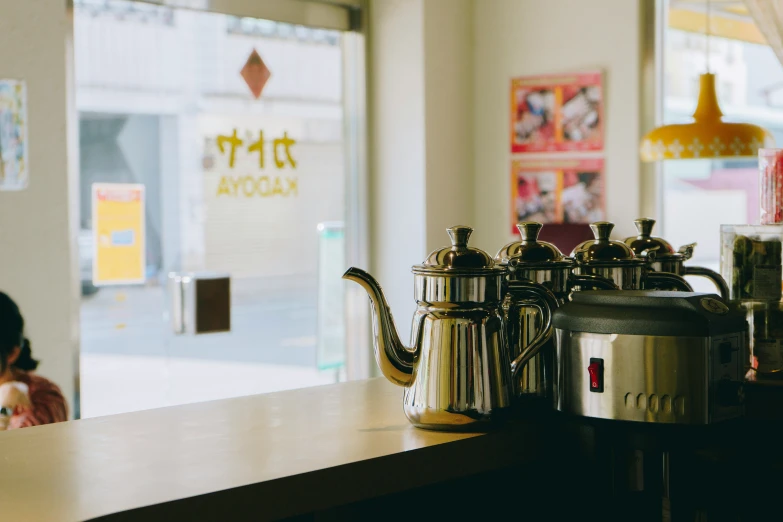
{"points": [[546, 302], [665, 279], [595, 282], [713, 276]]}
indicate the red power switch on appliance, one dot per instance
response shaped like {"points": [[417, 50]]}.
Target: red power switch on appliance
{"points": [[596, 374]]}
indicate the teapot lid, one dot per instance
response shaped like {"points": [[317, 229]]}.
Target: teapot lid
{"points": [[602, 250], [646, 242], [459, 258], [530, 251]]}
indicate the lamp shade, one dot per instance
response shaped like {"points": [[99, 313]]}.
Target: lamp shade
{"points": [[708, 136]]}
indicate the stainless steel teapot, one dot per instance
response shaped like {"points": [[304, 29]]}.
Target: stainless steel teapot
{"points": [[530, 259], [667, 260], [458, 372]]}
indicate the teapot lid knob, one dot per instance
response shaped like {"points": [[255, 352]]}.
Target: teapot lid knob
{"points": [[529, 230], [459, 259], [459, 235], [644, 226], [602, 230]]}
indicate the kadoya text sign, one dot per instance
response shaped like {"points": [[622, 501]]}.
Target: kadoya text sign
{"points": [[250, 175]]}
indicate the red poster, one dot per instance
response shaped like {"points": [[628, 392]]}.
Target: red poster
{"points": [[568, 190], [557, 113]]}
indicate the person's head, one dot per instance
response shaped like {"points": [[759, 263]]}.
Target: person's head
{"points": [[15, 349]]}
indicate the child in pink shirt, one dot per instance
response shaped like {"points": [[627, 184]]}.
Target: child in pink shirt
{"points": [[26, 399]]}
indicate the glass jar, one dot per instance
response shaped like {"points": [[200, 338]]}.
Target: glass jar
{"points": [[751, 261], [765, 321], [751, 265]]}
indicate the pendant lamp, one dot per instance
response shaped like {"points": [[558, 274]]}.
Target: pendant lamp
{"points": [[708, 136]]}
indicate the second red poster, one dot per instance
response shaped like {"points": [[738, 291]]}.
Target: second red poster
{"points": [[567, 190]]}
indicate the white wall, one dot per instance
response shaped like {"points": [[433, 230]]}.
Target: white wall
{"points": [[37, 227], [448, 92], [397, 169], [529, 37], [420, 93]]}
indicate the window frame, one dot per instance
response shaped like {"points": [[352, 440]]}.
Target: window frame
{"points": [[340, 15], [349, 17]]}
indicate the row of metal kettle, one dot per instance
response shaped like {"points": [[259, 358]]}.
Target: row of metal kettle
{"points": [[481, 336]]}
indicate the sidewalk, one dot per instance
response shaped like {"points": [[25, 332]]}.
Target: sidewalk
{"points": [[113, 384]]}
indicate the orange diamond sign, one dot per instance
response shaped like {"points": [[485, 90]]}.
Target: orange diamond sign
{"points": [[255, 73]]}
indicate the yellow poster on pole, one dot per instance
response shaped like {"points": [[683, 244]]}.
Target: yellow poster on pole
{"points": [[119, 235]]}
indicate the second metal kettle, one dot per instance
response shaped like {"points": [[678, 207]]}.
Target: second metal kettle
{"points": [[543, 263]]}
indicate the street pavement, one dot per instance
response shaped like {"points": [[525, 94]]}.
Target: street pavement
{"points": [[273, 321], [112, 383], [130, 359]]}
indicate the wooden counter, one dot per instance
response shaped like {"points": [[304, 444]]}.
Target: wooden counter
{"points": [[266, 456]]}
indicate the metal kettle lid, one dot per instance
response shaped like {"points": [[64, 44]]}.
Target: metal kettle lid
{"points": [[530, 251], [646, 242], [459, 258], [602, 249]]}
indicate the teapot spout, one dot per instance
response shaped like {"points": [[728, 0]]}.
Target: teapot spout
{"points": [[394, 359]]}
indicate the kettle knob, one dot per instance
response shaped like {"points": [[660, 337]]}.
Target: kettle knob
{"points": [[459, 235], [644, 226], [602, 230], [529, 230]]}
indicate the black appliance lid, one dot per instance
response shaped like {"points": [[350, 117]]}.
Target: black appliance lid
{"points": [[644, 312]]}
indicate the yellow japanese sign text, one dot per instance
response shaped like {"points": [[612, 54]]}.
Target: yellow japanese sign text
{"points": [[119, 234]]}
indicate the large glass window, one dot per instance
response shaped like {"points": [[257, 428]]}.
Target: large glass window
{"points": [[257, 189], [697, 196]]}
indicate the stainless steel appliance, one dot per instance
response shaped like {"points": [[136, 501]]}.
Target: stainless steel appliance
{"points": [[540, 262], [649, 356], [614, 260], [665, 259], [457, 373]]}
